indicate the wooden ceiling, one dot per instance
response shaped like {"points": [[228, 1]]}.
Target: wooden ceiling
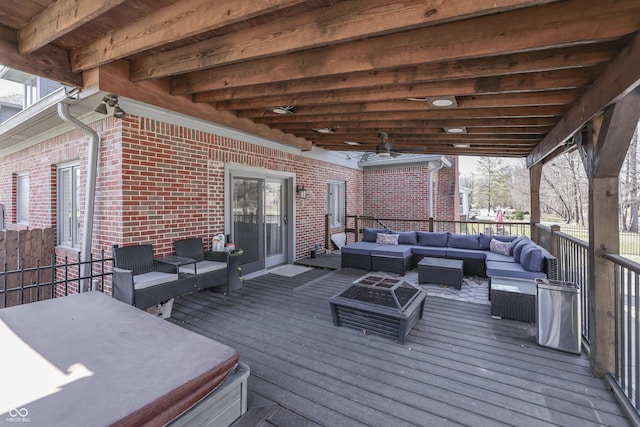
{"points": [[522, 75]]}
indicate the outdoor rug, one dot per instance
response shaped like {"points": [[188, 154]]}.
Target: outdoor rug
{"points": [[474, 289], [290, 270]]}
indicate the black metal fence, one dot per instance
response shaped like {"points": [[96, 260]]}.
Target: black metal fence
{"points": [[59, 278]]}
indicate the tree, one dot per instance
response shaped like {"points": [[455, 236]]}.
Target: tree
{"points": [[629, 187], [491, 178]]}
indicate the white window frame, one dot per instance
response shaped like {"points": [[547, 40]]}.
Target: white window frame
{"points": [[68, 210], [22, 198], [336, 202]]}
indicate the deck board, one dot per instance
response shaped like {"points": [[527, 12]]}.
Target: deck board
{"points": [[458, 365]]}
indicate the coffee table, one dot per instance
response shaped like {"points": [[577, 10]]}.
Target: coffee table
{"points": [[441, 271], [513, 298]]}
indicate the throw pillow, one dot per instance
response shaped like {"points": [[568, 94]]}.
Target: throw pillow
{"points": [[498, 247], [387, 239], [370, 234]]}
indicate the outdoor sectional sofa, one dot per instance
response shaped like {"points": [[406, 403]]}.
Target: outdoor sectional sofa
{"points": [[525, 259]]}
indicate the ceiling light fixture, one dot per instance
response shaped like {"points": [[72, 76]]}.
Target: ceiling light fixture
{"points": [[325, 131], [455, 129], [283, 110], [461, 145], [352, 143]]}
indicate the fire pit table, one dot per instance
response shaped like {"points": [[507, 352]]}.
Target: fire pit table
{"points": [[380, 305]]}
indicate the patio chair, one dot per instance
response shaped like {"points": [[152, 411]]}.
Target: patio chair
{"points": [[140, 281], [210, 268]]}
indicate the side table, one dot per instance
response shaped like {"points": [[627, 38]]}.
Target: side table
{"points": [[441, 271], [513, 299], [177, 261]]}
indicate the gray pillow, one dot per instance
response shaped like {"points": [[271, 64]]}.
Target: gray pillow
{"points": [[531, 258], [516, 250], [432, 239], [463, 241], [406, 237], [371, 234]]}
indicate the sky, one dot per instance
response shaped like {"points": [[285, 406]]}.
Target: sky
{"points": [[467, 164]]}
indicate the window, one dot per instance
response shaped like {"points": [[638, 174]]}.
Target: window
{"points": [[68, 205], [335, 203], [22, 198]]}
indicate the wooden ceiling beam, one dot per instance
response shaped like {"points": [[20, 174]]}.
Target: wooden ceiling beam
{"points": [[114, 78], [381, 125], [555, 97], [48, 62], [546, 60], [337, 23], [406, 138], [183, 19], [559, 79], [476, 113], [560, 24], [619, 78], [60, 18]]}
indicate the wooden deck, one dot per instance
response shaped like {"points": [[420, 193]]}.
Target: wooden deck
{"points": [[458, 365]]}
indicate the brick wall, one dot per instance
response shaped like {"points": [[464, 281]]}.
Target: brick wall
{"points": [[403, 192]]}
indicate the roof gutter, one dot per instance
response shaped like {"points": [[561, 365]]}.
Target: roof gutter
{"points": [[90, 193]]}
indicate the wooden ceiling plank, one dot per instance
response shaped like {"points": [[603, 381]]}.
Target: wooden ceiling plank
{"points": [[48, 62], [114, 78], [183, 19], [336, 23], [516, 83], [620, 77], [420, 124], [58, 19], [546, 60], [555, 25]]}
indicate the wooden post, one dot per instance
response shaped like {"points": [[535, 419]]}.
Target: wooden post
{"points": [[603, 147], [327, 232], [535, 176], [431, 224]]}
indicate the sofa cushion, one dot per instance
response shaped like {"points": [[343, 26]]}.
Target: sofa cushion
{"points": [[430, 251], [484, 240], [202, 267], [153, 278], [466, 253], [463, 241], [520, 240], [517, 249], [387, 239], [432, 239], [512, 269], [371, 234], [359, 248], [399, 251], [531, 258], [406, 237], [499, 257], [498, 247]]}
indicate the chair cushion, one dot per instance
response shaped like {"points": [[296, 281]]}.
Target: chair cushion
{"points": [[153, 278], [371, 234], [517, 249], [203, 267], [432, 239], [463, 241]]}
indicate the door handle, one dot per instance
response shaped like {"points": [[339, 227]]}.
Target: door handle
{"points": [[284, 219]]}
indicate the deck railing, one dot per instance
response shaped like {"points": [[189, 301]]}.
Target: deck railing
{"points": [[56, 279], [627, 328]]}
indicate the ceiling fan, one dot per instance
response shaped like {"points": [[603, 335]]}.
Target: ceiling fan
{"points": [[385, 148]]}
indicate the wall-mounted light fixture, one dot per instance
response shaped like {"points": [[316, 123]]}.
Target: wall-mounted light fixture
{"points": [[301, 192], [111, 101]]}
